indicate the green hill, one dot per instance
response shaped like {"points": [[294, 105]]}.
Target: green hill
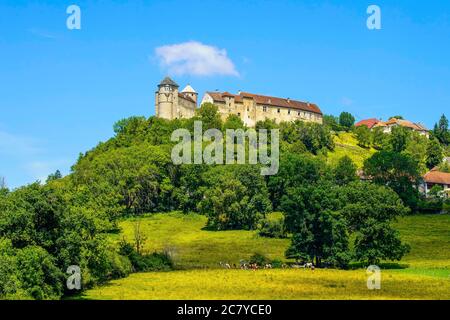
{"points": [[347, 145]]}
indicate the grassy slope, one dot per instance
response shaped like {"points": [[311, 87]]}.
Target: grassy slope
{"points": [[198, 248], [347, 145], [427, 275], [429, 237]]}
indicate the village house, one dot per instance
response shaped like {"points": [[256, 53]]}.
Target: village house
{"points": [[251, 108], [391, 123], [436, 178]]}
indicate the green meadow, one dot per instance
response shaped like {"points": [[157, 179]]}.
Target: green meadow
{"points": [[422, 274], [346, 144]]}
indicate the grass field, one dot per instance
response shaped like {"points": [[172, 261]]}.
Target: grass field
{"points": [[271, 285], [197, 248], [426, 272], [347, 145]]}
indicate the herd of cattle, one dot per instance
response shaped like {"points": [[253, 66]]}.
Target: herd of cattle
{"points": [[243, 265]]}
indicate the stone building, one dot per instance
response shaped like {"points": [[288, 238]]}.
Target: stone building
{"points": [[172, 104], [251, 108]]}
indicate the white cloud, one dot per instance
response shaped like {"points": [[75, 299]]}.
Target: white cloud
{"points": [[195, 58]]}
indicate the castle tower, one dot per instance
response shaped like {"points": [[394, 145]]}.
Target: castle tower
{"points": [[190, 92], [166, 100]]}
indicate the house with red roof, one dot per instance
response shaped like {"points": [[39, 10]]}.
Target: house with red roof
{"points": [[436, 178], [393, 122], [369, 123]]}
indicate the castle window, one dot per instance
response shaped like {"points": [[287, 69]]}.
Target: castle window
{"points": [[298, 113], [289, 111], [279, 110], [265, 109]]}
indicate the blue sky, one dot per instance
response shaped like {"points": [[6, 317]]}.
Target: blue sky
{"points": [[61, 90]]}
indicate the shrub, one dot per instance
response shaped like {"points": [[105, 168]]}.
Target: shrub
{"points": [[272, 227], [259, 259], [156, 261], [277, 264], [120, 266], [430, 206], [37, 273], [446, 206]]}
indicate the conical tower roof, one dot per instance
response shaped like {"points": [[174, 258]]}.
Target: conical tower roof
{"points": [[168, 81], [188, 89]]}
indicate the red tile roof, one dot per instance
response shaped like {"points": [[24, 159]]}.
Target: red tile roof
{"points": [[407, 124], [369, 123], [267, 100], [437, 177]]}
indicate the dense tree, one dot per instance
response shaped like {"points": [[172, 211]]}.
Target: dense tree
{"points": [[441, 131], [267, 124], [188, 190], [323, 219], [434, 154], [233, 122], [9, 282], [398, 171], [319, 231], [54, 176], [235, 197], [399, 138], [129, 125], [416, 148], [369, 211], [38, 274], [364, 136], [138, 178], [295, 170], [380, 140], [209, 115], [43, 233], [345, 171], [332, 122], [346, 120], [313, 136]]}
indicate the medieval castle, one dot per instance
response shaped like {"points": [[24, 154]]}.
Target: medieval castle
{"points": [[170, 104]]}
